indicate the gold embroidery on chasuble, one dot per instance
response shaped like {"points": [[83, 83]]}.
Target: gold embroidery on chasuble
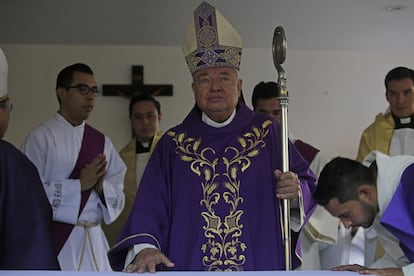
{"points": [[224, 247]]}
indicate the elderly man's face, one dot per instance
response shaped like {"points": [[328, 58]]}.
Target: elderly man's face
{"points": [[217, 91]]}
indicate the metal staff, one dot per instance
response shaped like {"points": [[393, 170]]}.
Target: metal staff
{"points": [[279, 56]]}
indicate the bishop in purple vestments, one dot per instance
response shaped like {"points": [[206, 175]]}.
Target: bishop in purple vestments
{"points": [[25, 213], [209, 197]]}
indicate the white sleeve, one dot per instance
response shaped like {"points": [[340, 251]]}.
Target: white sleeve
{"points": [[113, 185], [297, 212], [64, 194]]}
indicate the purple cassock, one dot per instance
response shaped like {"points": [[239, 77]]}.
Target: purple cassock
{"points": [[398, 218], [25, 214], [207, 198]]}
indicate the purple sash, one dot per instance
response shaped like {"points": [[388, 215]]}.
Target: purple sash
{"points": [[92, 144], [307, 151]]}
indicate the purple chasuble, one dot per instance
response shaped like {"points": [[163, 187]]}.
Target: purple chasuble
{"points": [[93, 143], [398, 218], [25, 215], [207, 198]]}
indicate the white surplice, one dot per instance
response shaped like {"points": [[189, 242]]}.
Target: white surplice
{"points": [[53, 147], [389, 172]]}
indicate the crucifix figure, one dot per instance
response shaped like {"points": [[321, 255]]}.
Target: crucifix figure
{"points": [[137, 87]]}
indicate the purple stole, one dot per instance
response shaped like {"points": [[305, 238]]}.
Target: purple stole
{"points": [[307, 151], [92, 144], [398, 218]]}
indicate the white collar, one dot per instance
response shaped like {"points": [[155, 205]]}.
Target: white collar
{"points": [[59, 117], [212, 123]]}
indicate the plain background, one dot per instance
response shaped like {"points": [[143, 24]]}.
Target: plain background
{"points": [[333, 95]]}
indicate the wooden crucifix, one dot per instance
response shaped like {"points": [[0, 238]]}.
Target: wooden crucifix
{"points": [[137, 87]]}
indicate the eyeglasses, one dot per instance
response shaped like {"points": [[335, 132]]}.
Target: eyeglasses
{"points": [[6, 104], [85, 89]]}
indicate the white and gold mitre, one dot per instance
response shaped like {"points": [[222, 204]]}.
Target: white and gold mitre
{"points": [[211, 41]]}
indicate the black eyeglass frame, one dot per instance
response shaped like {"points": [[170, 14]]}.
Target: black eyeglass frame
{"points": [[84, 89]]}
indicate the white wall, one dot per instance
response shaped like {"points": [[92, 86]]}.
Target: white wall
{"points": [[334, 95]]}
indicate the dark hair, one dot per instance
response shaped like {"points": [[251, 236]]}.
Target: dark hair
{"points": [[399, 73], [143, 98], [264, 90], [340, 179], [65, 77]]}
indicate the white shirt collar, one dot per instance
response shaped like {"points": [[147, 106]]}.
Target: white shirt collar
{"points": [[212, 123], [59, 117]]}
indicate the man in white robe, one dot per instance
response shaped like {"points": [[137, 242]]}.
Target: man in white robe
{"points": [[54, 147], [391, 133], [374, 195]]}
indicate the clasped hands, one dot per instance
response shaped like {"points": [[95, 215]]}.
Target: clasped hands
{"points": [[92, 175]]}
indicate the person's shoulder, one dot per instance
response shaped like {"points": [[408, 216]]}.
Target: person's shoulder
{"points": [[308, 151], [6, 147], [177, 128], [172, 134], [159, 134], [130, 146], [260, 118], [10, 153], [94, 129], [382, 117], [381, 120], [263, 121], [302, 144], [43, 127], [99, 134]]}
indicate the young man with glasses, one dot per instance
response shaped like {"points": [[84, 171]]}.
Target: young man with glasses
{"points": [[25, 215], [81, 172]]}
